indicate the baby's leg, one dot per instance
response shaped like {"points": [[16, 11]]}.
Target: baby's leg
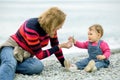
{"points": [[101, 64], [82, 64]]}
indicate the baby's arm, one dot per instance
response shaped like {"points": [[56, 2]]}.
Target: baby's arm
{"points": [[106, 51], [78, 44]]}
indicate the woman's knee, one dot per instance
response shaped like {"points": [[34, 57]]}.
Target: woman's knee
{"points": [[35, 66]]}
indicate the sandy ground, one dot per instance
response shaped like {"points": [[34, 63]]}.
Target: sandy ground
{"points": [[54, 71]]}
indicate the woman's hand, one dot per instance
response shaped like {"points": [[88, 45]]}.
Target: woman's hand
{"points": [[65, 45]]}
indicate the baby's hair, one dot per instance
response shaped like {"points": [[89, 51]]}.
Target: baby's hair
{"points": [[98, 28]]}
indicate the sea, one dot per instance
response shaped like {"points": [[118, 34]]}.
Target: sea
{"points": [[80, 15]]}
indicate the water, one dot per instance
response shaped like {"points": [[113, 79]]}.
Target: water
{"points": [[80, 15]]}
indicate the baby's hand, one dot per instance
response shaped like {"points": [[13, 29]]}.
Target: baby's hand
{"points": [[71, 39], [100, 57]]}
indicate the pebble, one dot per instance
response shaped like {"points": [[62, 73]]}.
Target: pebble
{"points": [[54, 71]]}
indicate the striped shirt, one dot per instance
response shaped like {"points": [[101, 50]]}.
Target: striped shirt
{"points": [[32, 38]]}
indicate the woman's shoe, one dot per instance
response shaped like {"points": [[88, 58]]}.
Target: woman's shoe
{"points": [[67, 64]]}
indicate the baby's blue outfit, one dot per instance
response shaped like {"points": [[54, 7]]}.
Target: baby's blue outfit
{"points": [[93, 51]]}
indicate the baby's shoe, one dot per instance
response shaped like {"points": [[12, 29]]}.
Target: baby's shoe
{"points": [[70, 67], [73, 68], [90, 67], [94, 69]]}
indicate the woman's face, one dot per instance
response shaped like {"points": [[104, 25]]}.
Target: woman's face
{"points": [[93, 35], [54, 30], [57, 28]]}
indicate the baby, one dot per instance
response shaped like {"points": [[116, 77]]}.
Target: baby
{"points": [[98, 51]]}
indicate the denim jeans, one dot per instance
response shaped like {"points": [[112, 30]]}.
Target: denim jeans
{"points": [[99, 64], [9, 65], [82, 64]]}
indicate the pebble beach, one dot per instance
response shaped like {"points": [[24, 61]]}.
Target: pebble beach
{"points": [[80, 15], [54, 71]]}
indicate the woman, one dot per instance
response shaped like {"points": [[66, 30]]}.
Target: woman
{"points": [[16, 54]]}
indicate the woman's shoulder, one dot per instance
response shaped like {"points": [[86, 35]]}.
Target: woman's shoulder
{"points": [[33, 24], [32, 21]]}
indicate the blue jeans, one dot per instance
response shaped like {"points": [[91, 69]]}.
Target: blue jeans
{"points": [[99, 64], [9, 65]]}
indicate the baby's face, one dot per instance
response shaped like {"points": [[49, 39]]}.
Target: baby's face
{"points": [[93, 35]]}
